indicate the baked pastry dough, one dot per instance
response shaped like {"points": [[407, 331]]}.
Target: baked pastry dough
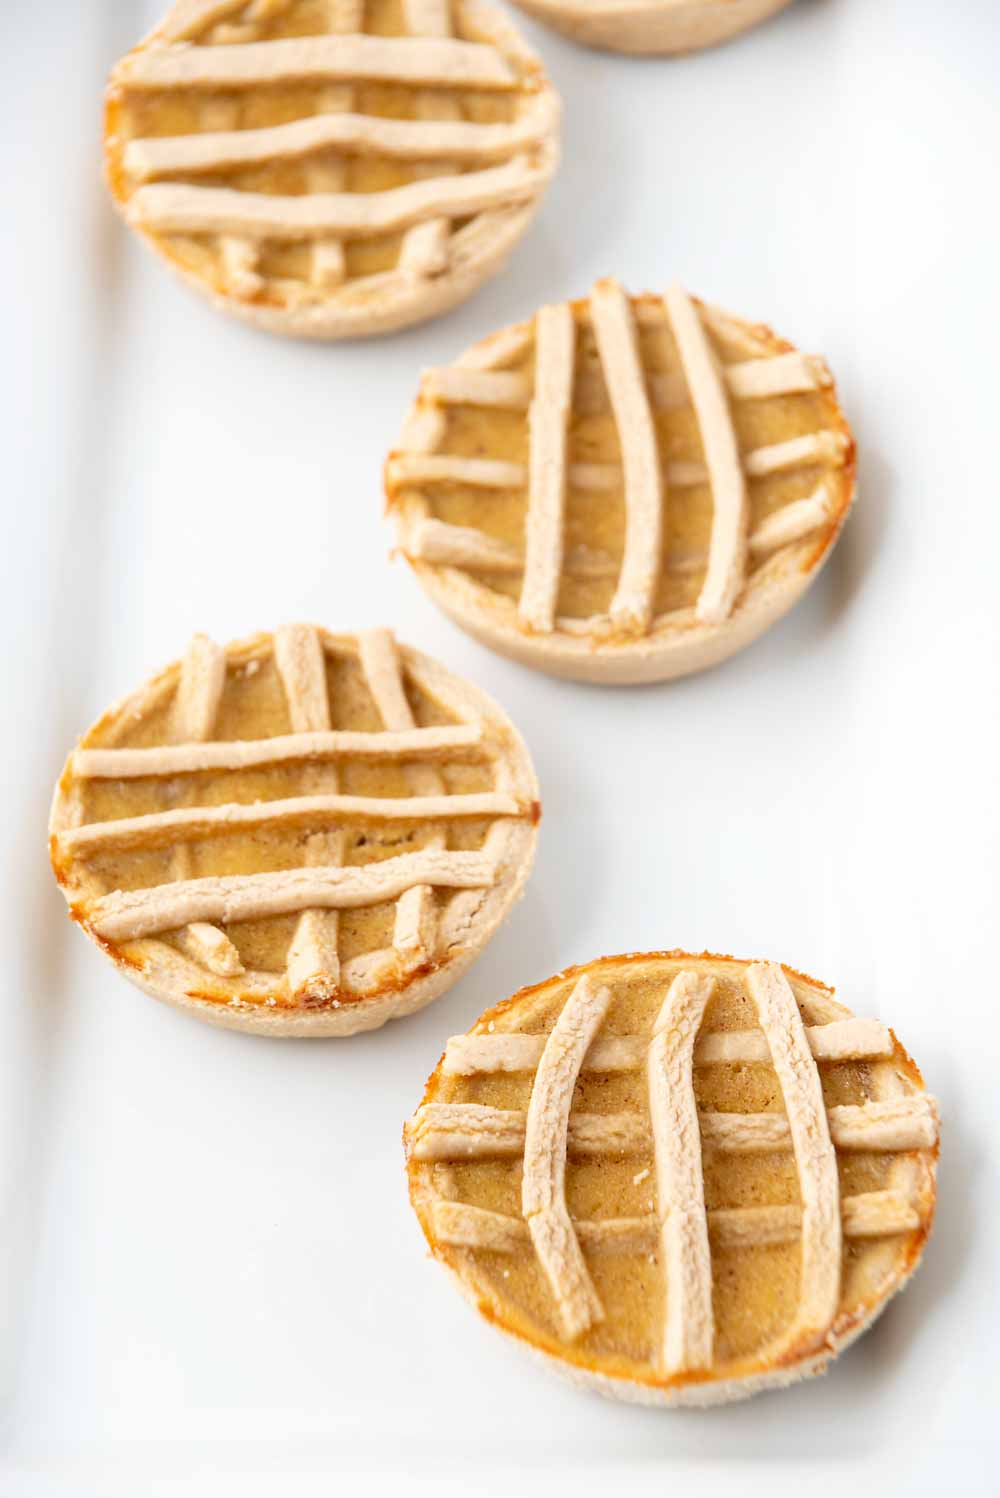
{"points": [[623, 489], [680, 1179], [646, 26], [299, 834], [331, 168]]}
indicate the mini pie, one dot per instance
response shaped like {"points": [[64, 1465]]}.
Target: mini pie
{"points": [[651, 25], [623, 489], [331, 168], [299, 834], [679, 1179]]}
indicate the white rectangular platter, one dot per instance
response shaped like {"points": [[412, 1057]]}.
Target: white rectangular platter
{"points": [[211, 1278]]}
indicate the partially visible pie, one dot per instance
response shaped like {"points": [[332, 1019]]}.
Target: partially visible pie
{"points": [[331, 168], [298, 834], [651, 25], [680, 1179], [623, 489]]}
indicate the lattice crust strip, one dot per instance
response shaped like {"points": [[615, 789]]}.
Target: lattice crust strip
{"points": [[203, 676], [432, 141], [425, 247], [679, 1136], [814, 1153], [473, 1131], [247, 754], [873, 1214], [313, 963], [193, 909], [506, 390], [551, 395], [415, 935], [461, 169], [543, 1190], [555, 344], [727, 552], [447, 545], [430, 62], [328, 258], [178, 208], [618, 345]]}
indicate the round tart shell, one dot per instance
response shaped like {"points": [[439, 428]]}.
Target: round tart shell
{"points": [[372, 304], [478, 1275], [669, 649], [651, 26], [164, 972]]}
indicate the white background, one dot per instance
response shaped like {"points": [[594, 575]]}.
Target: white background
{"points": [[212, 1280]]}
